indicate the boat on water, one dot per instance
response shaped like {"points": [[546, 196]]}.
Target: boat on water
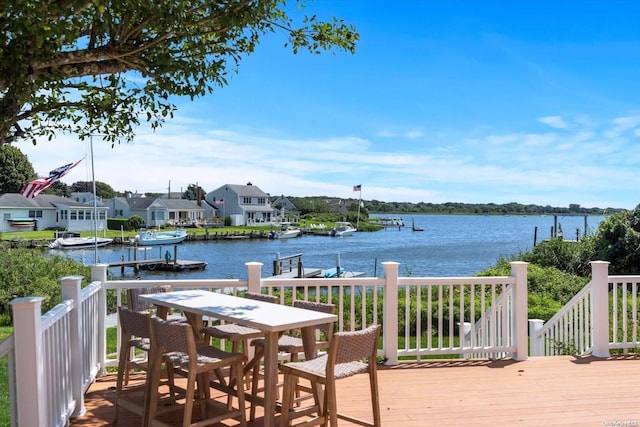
{"points": [[286, 232], [391, 221], [79, 242], [21, 222], [152, 237], [343, 229], [413, 226]]}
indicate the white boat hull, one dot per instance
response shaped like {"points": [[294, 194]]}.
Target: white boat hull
{"points": [[150, 238], [343, 229], [288, 234], [79, 242]]}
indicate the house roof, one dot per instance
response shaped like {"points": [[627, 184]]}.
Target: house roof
{"points": [[41, 201], [247, 190], [184, 204], [139, 202]]}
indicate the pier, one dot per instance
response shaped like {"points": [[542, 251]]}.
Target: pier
{"points": [[166, 262]]}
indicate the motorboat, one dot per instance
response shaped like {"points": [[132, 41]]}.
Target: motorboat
{"points": [[79, 242], [286, 232], [21, 222], [391, 221], [343, 229], [153, 237]]}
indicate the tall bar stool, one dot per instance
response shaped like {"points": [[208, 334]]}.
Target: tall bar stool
{"points": [[293, 346], [238, 334], [134, 327], [174, 344], [345, 356]]}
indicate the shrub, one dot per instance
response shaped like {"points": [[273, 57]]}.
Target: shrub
{"points": [[549, 288], [29, 272], [618, 240]]}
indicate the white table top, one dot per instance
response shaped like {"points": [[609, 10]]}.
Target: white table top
{"points": [[261, 315]]}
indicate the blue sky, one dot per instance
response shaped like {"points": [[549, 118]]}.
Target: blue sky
{"points": [[444, 101]]}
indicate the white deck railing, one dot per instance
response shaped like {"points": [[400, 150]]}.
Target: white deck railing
{"points": [[601, 317], [57, 355]]}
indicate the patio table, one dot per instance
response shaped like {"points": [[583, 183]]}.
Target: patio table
{"points": [[272, 319]]}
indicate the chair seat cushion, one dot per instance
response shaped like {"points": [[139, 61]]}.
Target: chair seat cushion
{"points": [[286, 343], [232, 331], [141, 343], [208, 356], [318, 367]]}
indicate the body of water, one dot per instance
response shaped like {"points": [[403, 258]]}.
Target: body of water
{"points": [[450, 245]]}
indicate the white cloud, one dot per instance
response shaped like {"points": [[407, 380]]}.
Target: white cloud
{"points": [[556, 122], [570, 166]]}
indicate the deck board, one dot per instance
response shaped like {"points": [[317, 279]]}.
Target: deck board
{"points": [[549, 391]]}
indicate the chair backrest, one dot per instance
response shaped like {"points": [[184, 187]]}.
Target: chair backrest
{"points": [[134, 323], [168, 336], [136, 304], [327, 328], [261, 297], [352, 346]]}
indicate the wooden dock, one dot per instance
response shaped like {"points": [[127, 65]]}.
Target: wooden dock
{"points": [[168, 263], [160, 265]]}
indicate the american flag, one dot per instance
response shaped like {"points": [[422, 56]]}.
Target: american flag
{"points": [[33, 188], [357, 187], [219, 202]]}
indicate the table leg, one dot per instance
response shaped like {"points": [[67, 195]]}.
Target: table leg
{"points": [[270, 377], [162, 311], [195, 320]]}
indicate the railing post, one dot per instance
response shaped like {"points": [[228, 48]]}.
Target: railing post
{"points": [[390, 312], [31, 395], [536, 344], [520, 310], [99, 274], [71, 291], [600, 307], [254, 276], [465, 338]]}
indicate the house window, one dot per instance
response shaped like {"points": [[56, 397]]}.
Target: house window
{"points": [[262, 200], [35, 214], [103, 215], [246, 200], [81, 216], [74, 215]]}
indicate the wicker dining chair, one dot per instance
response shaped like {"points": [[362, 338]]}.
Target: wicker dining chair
{"points": [[292, 345], [238, 334], [173, 343], [345, 356], [134, 327], [135, 303]]}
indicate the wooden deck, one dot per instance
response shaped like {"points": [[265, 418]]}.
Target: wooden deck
{"points": [[550, 391]]}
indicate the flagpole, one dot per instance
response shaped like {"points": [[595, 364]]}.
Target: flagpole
{"points": [[359, 203], [95, 209]]}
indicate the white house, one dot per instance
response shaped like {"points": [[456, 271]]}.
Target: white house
{"points": [[245, 204], [156, 211], [45, 211], [286, 206]]}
